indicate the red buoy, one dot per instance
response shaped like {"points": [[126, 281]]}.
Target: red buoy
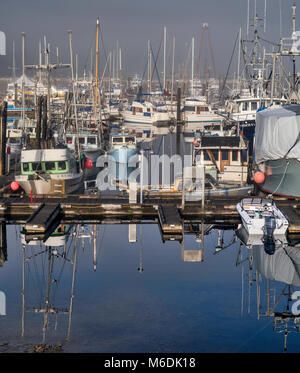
{"points": [[196, 142], [14, 185], [8, 149], [88, 163], [259, 177]]}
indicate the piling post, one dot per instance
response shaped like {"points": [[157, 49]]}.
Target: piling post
{"points": [[3, 120], [3, 244]]}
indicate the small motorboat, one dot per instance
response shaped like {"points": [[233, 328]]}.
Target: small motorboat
{"points": [[262, 218]]}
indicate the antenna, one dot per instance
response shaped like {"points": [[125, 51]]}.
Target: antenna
{"points": [[248, 15], [280, 19], [294, 17], [265, 17]]}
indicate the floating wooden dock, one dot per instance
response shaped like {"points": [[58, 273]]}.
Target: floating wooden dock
{"points": [[169, 219], [42, 214], [43, 221]]}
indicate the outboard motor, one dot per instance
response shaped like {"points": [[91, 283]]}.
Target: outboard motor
{"points": [[268, 239]]}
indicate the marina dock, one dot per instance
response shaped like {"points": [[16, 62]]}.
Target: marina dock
{"points": [[42, 215]]}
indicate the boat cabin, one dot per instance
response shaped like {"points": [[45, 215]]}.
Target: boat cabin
{"points": [[48, 161], [118, 141], [228, 155], [88, 140]]}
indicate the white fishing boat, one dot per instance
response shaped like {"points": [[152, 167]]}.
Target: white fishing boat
{"points": [[49, 171], [260, 216], [90, 145]]}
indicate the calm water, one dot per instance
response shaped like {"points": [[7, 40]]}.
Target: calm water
{"points": [[170, 306]]}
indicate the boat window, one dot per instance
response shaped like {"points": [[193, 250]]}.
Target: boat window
{"points": [[14, 140], [214, 152], [235, 155], [245, 106], [129, 139], [189, 108], [62, 165], [81, 140], [225, 155], [50, 166], [117, 139], [25, 167], [91, 140], [253, 105], [244, 155], [36, 166], [69, 140]]}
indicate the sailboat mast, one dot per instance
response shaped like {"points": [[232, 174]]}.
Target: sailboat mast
{"points": [[96, 69], [165, 42], [193, 52]]}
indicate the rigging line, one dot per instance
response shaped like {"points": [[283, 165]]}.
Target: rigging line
{"points": [[59, 276], [156, 68], [90, 47], [282, 178], [103, 46], [37, 275], [221, 96], [155, 62], [267, 41]]}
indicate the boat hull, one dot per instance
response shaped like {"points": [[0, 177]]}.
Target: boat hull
{"points": [[282, 177], [73, 183], [91, 173]]}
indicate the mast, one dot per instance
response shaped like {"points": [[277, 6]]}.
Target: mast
{"points": [[74, 96], [96, 69], [172, 85], [23, 77], [120, 55], [193, 53], [165, 41]]}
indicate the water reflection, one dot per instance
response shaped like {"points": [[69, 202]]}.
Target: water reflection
{"points": [[276, 277], [209, 260]]}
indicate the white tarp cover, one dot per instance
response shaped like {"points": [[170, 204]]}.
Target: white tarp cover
{"points": [[283, 265], [276, 131]]}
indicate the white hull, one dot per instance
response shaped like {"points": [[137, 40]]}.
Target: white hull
{"points": [[73, 182]]}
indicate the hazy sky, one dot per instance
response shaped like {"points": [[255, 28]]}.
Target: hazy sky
{"points": [[132, 23]]}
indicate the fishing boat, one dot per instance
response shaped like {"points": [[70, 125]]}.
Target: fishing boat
{"points": [[58, 238], [277, 150], [90, 145], [49, 171], [225, 158]]}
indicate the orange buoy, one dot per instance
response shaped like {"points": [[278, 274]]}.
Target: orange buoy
{"points": [[259, 177], [14, 185]]}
